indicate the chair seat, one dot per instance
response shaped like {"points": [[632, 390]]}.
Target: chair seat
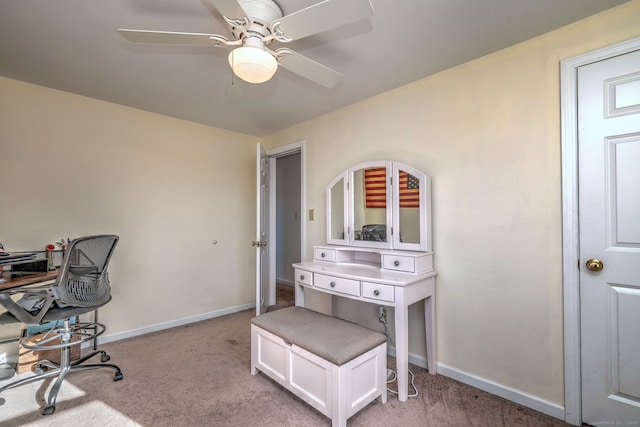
{"points": [[54, 313]]}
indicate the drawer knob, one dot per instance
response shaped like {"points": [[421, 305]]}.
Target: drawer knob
{"points": [[332, 284], [322, 255], [302, 277], [396, 263], [376, 292]]}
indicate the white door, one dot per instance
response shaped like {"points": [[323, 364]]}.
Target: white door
{"points": [[262, 231], [609, 218]]}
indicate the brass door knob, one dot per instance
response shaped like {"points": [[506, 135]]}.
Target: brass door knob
{"points": [[594, 264]]}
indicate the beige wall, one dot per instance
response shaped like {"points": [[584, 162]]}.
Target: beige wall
{"points": [[488, 132], [72, 166]]}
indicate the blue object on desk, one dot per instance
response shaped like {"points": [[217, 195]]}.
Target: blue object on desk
{"points": [[36, 329]]}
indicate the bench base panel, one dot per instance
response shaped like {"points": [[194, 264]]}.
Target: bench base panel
{"points": [[338, 392]]}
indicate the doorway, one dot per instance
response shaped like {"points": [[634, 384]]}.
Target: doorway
{"points": [[286, 203], [576, 271]]}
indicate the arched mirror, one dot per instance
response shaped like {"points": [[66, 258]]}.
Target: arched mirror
{"points": [[337, 203], [411, 209], [380, 204]]}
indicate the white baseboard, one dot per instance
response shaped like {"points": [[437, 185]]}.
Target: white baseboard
{"points": [[172, 324], [285, 281], [500, 390], [413, 359]]}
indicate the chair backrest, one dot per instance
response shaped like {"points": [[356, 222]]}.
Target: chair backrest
{"points": [[83, 280]]}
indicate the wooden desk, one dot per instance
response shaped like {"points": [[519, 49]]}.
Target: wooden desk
{"points": [[24, 280]]}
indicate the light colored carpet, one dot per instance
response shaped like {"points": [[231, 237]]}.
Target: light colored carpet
{"points": [[284, 297], [198, 375]]}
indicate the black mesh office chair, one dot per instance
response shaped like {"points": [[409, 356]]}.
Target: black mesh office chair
{"points": [[82, 286]]}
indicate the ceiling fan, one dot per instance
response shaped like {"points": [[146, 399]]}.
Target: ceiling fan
{"points": [[256, 24]]}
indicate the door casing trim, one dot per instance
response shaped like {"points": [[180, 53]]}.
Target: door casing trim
{"points": [[570, 225]]}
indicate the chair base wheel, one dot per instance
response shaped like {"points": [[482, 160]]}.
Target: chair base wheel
{"points": [[49, 409], [118, 376], [105, 358]]}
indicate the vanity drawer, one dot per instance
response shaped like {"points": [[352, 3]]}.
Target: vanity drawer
{"points": [[378, 292], [324, 254], [304, 277], [399, 263], [337, 284]]}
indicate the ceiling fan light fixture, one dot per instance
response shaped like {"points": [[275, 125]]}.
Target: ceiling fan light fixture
{"points": [[252, 64]]}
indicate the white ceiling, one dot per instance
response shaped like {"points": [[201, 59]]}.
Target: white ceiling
{"points": [[72, 45]]}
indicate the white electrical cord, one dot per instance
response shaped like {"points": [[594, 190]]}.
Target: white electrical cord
{"points": [[393, 378], [391, 374]]}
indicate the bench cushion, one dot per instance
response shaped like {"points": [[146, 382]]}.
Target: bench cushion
{"points": [[333, 339]]}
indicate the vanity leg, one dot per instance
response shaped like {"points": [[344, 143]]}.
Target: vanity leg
{"points": [[299, 295], [430, 329], [402, 350], [333, 304]]}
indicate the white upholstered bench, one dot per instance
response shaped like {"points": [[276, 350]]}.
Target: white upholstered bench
{"points": [[338, 367]]}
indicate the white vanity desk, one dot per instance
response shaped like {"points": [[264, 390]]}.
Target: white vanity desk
{"points": [[377, 277], [378, 250]]}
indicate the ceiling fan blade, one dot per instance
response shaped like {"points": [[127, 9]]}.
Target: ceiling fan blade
{"points": [[323, 16], [149, 36], [308, 68], [229, 8]]}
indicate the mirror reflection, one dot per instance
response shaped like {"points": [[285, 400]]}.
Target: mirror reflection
{"points": [[370, 204], [409, 199], [380, 204], [337, 210]]}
